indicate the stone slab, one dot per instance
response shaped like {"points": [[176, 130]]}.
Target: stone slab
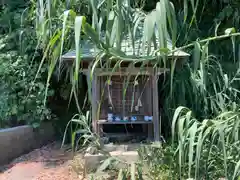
{"points": [[22, 139], [92, 162]]}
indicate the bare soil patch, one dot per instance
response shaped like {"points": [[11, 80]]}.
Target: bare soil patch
{"points": [[46, 163]]}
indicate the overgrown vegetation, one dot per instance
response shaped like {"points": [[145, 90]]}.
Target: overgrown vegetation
{"points": [[204, 134], [207, 149], [21, 99]]}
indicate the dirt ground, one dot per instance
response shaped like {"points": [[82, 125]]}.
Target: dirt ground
{"points": [[47, 163]]}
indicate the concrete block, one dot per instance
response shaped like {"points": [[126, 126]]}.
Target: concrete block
{"points": [[129, 156], [19, 140], [93, 161]]}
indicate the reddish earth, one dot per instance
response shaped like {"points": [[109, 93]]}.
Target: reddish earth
{"points": [[47, 163]]}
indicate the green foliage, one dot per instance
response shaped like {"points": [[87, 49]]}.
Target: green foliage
{"points": [[134, 172], [22, 100], [81, 133], [158, 161], [3, 106], [209, 149]]}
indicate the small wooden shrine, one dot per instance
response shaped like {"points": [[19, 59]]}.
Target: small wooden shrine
{"points": [[124, 95]]}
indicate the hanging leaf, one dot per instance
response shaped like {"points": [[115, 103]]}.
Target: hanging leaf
{"points": [[149, 27], [79, 20], [106, 164], [192, 133], [111, 15], [233, 39], [177, 114], [226, 81], [196, 56], [120, 175], [236, 171], [92, 34], [230, 31], [161, 22], [95, 15], [65, 16], [172, 21], [185, 10]]}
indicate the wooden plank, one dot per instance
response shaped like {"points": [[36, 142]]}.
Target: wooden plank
{"points": [[124, 137], [123, 122], [127, 71], [123, 100], [150, 107], [156, 108]]}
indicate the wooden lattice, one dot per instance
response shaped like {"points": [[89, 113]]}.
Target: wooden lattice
{"points": [[126, 95]]}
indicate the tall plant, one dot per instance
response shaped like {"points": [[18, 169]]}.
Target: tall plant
{"points": [[207, 149]]}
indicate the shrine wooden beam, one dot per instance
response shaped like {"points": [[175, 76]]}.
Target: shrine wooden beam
{"points": [[126, 71]]}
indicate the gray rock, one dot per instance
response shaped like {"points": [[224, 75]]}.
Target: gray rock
{"points": [[92, 150]]}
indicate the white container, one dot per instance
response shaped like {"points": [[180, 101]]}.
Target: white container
{"points": [[117, 118], [110, 117], [125, 118], [150, 118], [133, 118], [146, 118]]}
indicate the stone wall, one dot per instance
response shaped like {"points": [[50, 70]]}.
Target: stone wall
{"points": [[22, 139]]}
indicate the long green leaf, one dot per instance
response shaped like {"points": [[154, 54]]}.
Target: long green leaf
{"points": [[222, 136], [149, 27], [196, 56], [120, 175], [133, 171], [79, 20], [236, 171], [177, 113], [193, 130], [65, 16]]}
